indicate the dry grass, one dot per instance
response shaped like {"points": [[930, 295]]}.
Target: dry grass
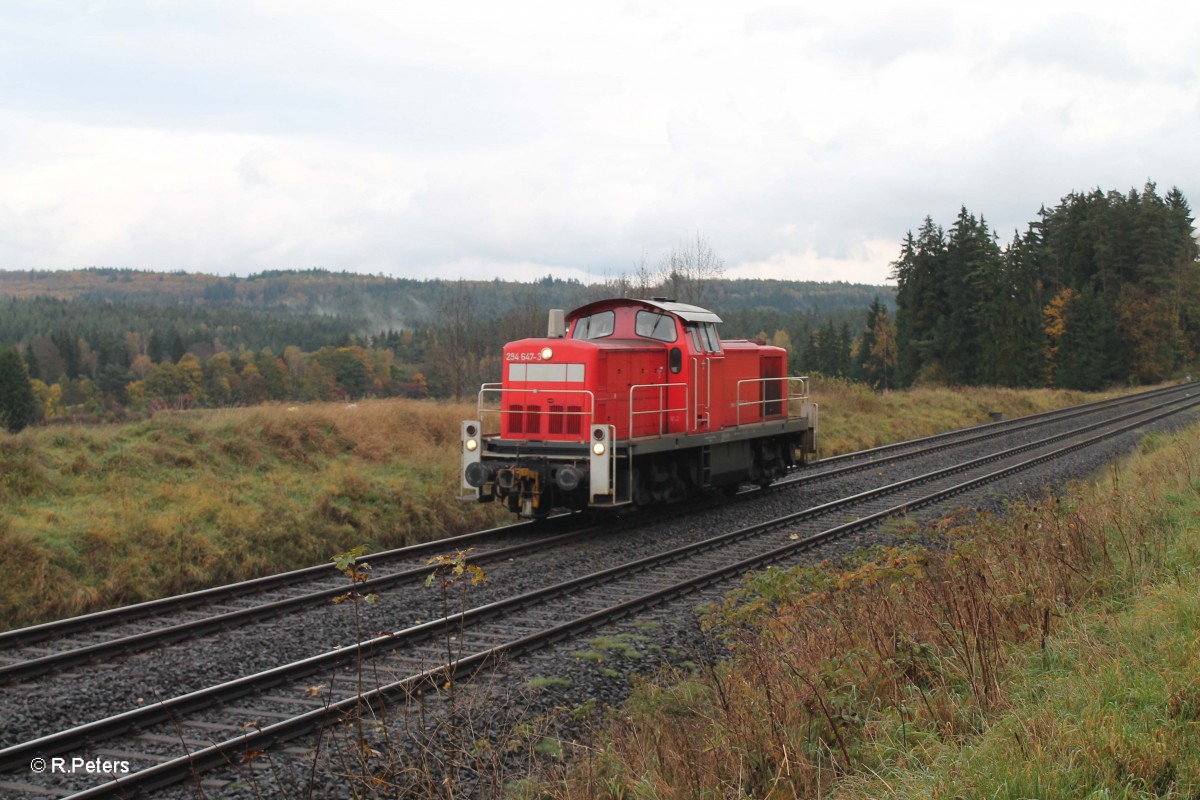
{"points": [[1052, 654], [97, 516], [852, 417], [102, 515]]}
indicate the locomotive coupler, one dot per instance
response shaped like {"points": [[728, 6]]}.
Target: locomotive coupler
{"points": [[524, 492]]}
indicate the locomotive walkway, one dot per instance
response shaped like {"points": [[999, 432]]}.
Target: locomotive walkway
{"points": [[153, 735]]}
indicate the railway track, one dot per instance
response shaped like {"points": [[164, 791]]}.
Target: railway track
{"points": [[523, 622], [865, 459], [27, 653]]}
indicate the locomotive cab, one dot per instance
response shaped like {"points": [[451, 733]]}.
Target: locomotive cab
{"points": [[633, 402]]}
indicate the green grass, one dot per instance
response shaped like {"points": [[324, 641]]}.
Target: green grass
{"points": [[1111, 708], [622, 644]]}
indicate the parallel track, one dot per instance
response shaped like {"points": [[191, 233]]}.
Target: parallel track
{"points": [[591, 600], [408, 563]]}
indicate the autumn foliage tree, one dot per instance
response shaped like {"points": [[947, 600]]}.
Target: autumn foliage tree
{"points": [[877, 352]]}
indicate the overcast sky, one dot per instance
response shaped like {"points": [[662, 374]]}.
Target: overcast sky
{"points": [[514, 139]]}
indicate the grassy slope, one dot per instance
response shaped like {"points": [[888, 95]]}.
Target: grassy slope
{"points": [[92, 517], [853, 417], [1111, 707], [1054, 654], [96, 516]]}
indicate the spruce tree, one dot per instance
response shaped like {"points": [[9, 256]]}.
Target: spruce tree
{"points": [[17, 405], [178, 349], [921, 301], [155, 347], [1081, 362], [31, 363]]}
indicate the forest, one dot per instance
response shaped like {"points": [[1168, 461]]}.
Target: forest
{"points": [[102, 344], [1102, 288]]}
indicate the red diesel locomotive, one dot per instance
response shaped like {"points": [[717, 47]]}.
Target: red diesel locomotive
{"points": [[633, 402]]}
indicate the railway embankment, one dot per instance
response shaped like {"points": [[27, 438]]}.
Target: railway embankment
{"points": [[98, 516], [1049, 652], [569, 619], [93, 517]]}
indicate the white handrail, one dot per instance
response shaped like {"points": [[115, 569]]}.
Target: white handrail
{"points": [[786, 396], [498, 389], [661, 402]]}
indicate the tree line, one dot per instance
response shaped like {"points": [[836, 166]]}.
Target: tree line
{"points": [[97, 373], [1102, 288], [130, 342]]}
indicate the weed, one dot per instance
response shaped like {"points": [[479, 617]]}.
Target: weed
{"points": [[621, 644], [1052, 653], [549, 747]]}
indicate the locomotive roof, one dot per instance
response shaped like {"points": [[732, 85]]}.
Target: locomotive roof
{"points": [[684, 311]]}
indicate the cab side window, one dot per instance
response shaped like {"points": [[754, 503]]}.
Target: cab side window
{"points": [[597, 326], [708, 333]]}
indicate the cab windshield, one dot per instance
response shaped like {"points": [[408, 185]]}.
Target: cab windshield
{"points": [[653, 325]]}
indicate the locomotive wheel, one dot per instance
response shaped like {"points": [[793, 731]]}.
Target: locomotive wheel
{"points": [[642, 496]]}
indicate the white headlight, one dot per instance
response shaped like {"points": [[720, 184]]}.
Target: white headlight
{"points": [[472, 444], [547, 354], [598, 448]]}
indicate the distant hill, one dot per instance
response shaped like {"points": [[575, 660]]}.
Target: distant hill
{"points": [[102, 342], [373, 303]]}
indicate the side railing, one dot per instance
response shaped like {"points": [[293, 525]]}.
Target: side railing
{"points": [[790, 392], [662, 410], [558, 416]]}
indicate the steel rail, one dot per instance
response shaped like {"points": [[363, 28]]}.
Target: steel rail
{"points": [[1094, 405], [32, 634], [175, 770], [32, 668], [142, 718], [967, 436]]}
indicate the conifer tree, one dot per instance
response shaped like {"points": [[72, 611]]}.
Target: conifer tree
{"points": [[1081, 358], [921, 301], [31, 364], [859, 369], [17, 407]]}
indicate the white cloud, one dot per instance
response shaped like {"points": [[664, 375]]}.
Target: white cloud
{"points": [[861, 265], [523, 138]]}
